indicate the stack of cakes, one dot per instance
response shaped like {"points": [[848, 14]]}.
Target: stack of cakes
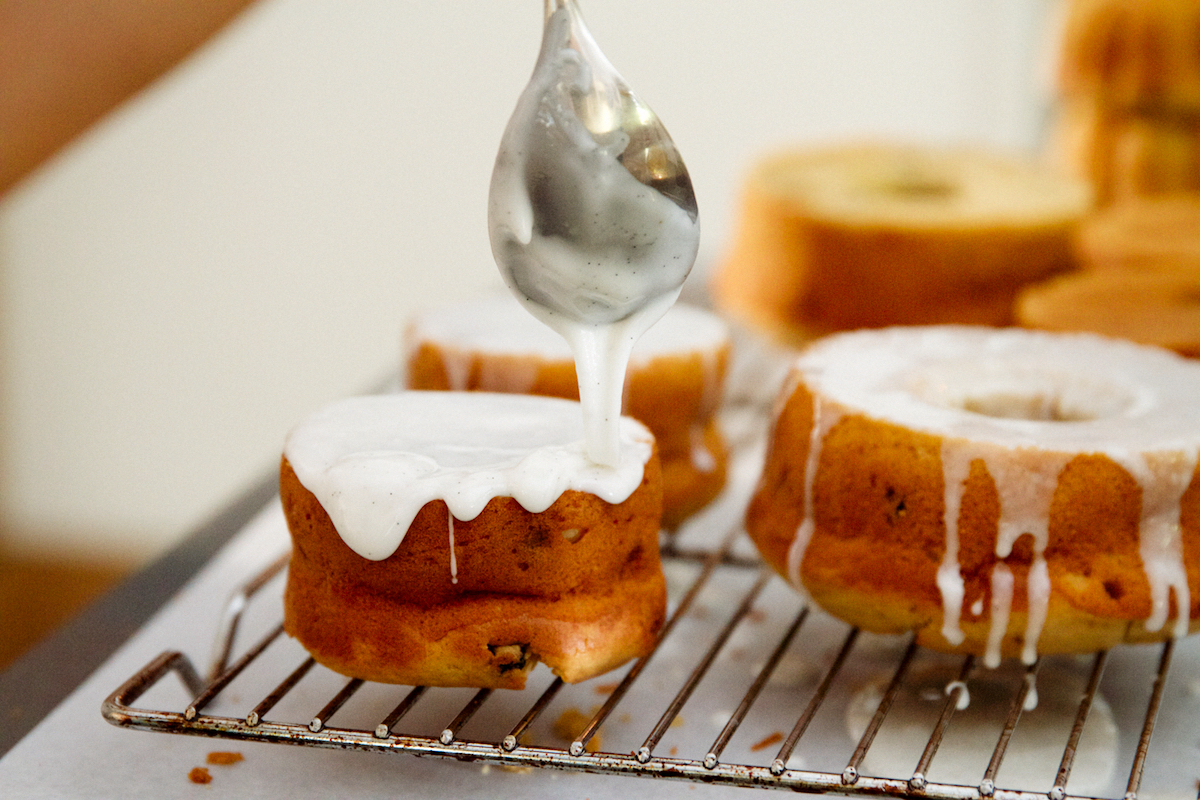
{"points": [[1129, 86], [1139, 277]]}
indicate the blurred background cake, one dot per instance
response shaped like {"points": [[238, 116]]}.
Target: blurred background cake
{"points": [[1129, 93], [850, 237], [674, 383]]}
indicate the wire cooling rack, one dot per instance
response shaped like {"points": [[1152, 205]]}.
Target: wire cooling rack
{"points": [[746, 687]]}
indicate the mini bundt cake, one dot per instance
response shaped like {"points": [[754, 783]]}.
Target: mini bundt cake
{"points": [[456, 539], [1001, 492]]}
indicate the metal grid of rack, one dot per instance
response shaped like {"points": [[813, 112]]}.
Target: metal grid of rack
{"points": [[703, 566]]}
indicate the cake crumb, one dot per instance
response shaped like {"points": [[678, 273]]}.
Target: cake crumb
{"points": [[774, 738], [199, 775], [224, 758], [571, 723]]}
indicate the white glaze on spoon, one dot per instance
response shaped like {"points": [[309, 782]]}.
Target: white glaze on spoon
{"points": [[591, 212]]}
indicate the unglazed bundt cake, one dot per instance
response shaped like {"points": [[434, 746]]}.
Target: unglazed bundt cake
{"points": [[875, 235]]}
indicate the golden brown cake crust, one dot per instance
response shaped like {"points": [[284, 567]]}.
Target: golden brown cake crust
{"points": [[879, 537], [579, 587], [1154, 234], [1157, 308]]}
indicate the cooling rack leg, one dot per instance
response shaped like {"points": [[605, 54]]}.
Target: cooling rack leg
{"points": [[127, 694]]}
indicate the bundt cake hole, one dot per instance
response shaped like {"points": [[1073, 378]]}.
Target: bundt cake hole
{"points": [[916, 185], [1042, 406], [1020, 392]]}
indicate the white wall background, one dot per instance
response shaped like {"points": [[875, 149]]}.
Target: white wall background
{"points": [[243, 242]]}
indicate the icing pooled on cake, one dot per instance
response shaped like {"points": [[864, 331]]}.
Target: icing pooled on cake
{"points": [[592, 216], [374, 461], [516, 345]]}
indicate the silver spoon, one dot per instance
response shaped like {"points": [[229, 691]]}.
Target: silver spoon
{"points": [[592, 215]]}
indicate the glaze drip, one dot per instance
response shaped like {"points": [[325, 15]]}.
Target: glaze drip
{"points": [[824, 418]]}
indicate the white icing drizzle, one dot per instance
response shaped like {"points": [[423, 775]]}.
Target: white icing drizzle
{"points": [[964, 694], [1036, 752], [1164, 477], [823, 421], [956, 466], [702, 457], [1002, 596], [495, 324], [458, 369], [1037, 595], [1031, 692], [453, 557], [1025, 482], [373, 462]]}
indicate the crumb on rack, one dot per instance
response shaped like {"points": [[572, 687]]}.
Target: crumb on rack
{"points": [[224, 758], [199, 775], [762, 744]]}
